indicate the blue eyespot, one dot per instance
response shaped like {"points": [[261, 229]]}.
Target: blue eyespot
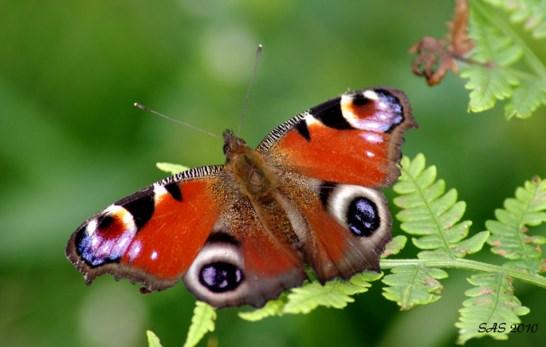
{"points": [[220, 277], [363, 217]]}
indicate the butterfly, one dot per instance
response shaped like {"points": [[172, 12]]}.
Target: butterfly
{"points": [[241, 233]]}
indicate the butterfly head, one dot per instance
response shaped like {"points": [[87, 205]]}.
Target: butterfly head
{"points": [[233, 145]]}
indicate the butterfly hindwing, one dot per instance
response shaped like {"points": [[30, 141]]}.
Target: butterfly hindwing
{"points": [[152, 236], [247, 259], [346, 226]]}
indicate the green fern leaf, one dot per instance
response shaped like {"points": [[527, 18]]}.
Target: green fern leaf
{"points": [[496, 48], [491, 301], [433, 217], [153, 340], [394, 246], [530, 12], [336, 293], [271, 308], [413, 285], [509, 233], [433, 214], [526, 98], [487, 85], [171, 168], [202, 322], [491, 46]]}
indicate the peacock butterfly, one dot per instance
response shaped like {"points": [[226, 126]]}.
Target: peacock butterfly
{"points": [[242, 232]]}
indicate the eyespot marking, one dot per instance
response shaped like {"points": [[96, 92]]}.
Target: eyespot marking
{"points": [[220, 277], [363, 217]]}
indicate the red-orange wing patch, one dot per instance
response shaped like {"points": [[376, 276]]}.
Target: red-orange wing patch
{"points": [[152, 236], [242, 261], [341, 241], [353, 139]]}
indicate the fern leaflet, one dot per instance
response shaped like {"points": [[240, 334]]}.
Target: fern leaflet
{"points": [[413, 285], [153, 340], [491, 302], [509, 233], [433, 217], [491, 75], [202, 322], [530, 12]]}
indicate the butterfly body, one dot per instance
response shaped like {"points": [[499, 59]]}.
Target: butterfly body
{"points": [[243, 232]]}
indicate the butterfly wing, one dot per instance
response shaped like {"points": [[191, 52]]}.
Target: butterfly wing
{"points": [[194, 226], [243, 262], [353, 139], [346, 226], [152, 236], [332, 159]]}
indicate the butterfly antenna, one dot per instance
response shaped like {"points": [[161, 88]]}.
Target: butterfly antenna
{"points": [[177, 121], [249, 88]]}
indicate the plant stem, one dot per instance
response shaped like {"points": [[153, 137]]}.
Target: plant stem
{"points": [[534, 279]]}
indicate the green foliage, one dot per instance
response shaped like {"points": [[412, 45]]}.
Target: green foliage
{"points": [[493, 74], [202, 322], [433, 217], [433, 214], [510, 236], [153, 340], [532, 13], [395, 246], [335, 294], [271, 308], [491, 302], [171, 168], [412, 285]]}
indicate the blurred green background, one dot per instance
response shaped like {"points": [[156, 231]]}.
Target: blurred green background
{"points": [[70, 143]]}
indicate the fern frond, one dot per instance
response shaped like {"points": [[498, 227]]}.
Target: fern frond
{"points": [[509, 233], [487, 85], [413, 285], [491, 75], [202, 322], [153, 340], [271, 308], [491, 45], [527, 98], [490, 307], [432, 215], [532, 13], [335, 293], [489, 81], [394, 246]]}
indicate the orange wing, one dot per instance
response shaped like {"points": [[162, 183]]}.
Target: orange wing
{"points": [[353, 139], [331, 158], [194, 226], [348, 226], [152, 236]]}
